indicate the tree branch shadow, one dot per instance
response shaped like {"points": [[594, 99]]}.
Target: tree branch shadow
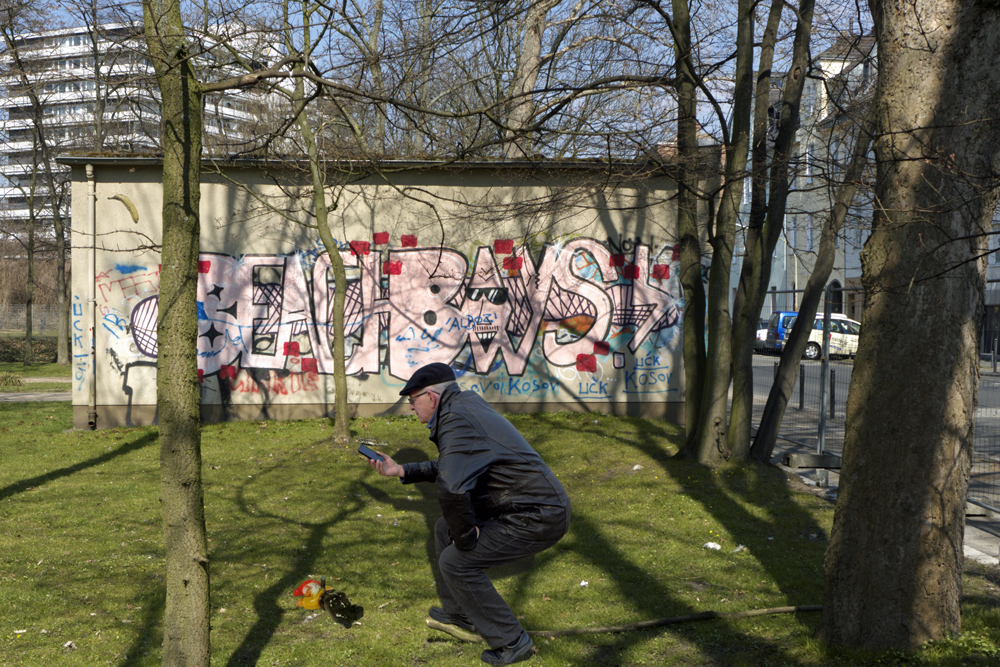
{"points": [[33, 482]]}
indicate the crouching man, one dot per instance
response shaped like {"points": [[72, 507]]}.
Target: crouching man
{"points": [[499, 503]]}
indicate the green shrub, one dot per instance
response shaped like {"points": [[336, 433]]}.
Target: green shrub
{"points": [[43, 350]]}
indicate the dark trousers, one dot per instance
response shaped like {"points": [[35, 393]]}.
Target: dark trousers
{"points": [[466, 589]]}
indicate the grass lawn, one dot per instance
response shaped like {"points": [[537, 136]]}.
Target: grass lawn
{"points": [[37, 370], [81, 552]]}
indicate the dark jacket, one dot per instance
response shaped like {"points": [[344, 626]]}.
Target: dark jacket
{"points": [[487, 470]]}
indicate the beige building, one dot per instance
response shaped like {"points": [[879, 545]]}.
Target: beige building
{"points": [[545, 287]]}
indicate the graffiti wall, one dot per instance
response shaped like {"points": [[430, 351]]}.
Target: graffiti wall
{"points": [[576, 321]]}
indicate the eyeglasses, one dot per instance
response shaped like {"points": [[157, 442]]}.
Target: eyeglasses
{"points": [[415, 397]]}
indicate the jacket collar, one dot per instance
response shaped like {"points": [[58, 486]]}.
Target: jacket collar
{"points": [[443, 402]]}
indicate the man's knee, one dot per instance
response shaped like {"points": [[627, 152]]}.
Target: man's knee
{"points": [[453, 563]]}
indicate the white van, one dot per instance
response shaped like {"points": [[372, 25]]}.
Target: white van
{"points": [[843, 337]]}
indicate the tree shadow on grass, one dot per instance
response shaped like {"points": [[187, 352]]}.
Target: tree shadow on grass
{"points": [[427, 505], [150, 633], [722, 503], [33, 482], [267, 609], [591, 544]]}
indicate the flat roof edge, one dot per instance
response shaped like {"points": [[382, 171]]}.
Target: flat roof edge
{"points": [[387, 165]]}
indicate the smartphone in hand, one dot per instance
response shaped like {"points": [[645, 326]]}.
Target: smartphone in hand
{"points": [[369, 453]]}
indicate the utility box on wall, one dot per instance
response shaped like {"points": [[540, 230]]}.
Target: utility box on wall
{"points": [[546, 287]]}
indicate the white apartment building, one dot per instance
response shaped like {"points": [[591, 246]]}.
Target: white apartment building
{"points": [[97, 92]]}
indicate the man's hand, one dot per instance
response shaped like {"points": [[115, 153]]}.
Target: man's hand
{"points": [[388, 467], [477, 534]]}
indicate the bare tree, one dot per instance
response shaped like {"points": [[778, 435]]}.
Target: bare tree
{"points": [[796, 341], [46, 190], [186, 619], [173, 51]]}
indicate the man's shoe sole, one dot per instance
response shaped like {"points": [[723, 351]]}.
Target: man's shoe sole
{"points": [[455, 631]]}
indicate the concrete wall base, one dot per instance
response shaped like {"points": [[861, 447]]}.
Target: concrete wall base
{"points": [[113, 416]]}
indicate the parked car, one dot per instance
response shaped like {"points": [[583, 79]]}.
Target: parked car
{"points": [[777, 329], [843, 338], [843, 334], [761, 337]]}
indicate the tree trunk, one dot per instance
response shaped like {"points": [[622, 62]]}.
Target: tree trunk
{"points": [[186, 618], [62, 300], [759, 274], [713, 445], [529, 60], [62, 288], [29, 288], [745, 323], [687, 228], [894, 564], [321, 208]]}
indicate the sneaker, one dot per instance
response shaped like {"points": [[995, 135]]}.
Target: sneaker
{"points": [[458, 626], [522, 649]]}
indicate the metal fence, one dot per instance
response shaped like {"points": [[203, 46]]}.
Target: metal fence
{"points": [[800, 425], [44, 319]]}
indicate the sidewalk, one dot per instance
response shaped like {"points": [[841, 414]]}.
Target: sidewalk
{"points": [[982, 538], [28, 396], [982, 527]]}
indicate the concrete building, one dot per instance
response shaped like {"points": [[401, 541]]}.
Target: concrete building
{"points": [[96, 92]]}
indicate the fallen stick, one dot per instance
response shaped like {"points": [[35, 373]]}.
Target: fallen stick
{"points": [[660, 622]]}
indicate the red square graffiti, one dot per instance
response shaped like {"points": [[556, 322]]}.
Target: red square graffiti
{"points": [[617, 260], [513, 263], [360, 248], [586, 363], [602, 348], [381, 238], [204, 266], [676, 254], [631, 272], [408, 240], [309, 365], [201, 375], [503, 246], [661, 271], [226, 371], [392, 268], [292, 349]]}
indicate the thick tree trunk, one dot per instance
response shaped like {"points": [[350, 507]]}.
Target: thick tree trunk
{"points": [[894, 564], [186, 618]]}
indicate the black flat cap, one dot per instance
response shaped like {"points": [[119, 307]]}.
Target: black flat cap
{"points": [[428, 375]]}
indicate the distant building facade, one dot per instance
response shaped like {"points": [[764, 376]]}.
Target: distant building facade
{"points": [[840, 85], [96, 91]]}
